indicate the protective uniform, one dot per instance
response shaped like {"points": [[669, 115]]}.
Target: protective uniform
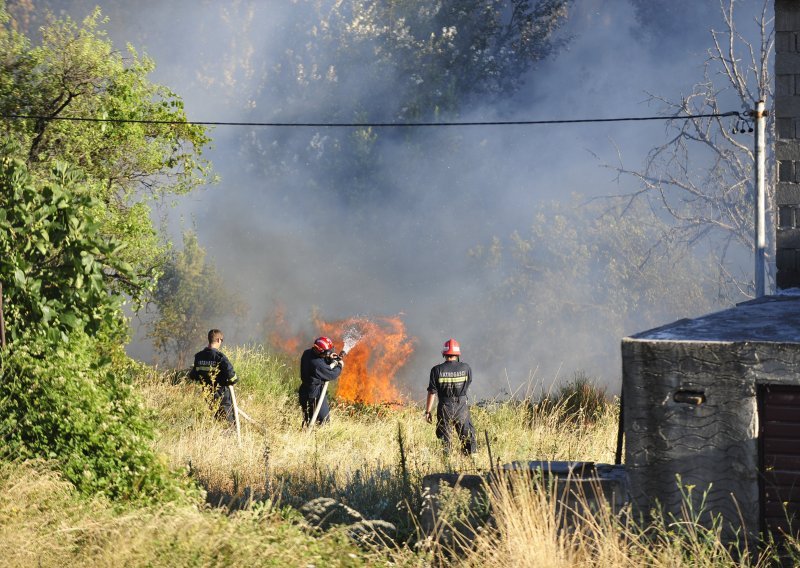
{"points": [[316, 368], [213, 369], [450, 381]]}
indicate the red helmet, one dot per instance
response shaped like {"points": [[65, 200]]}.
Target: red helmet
{"points": [[323, 344], [451, 347]]}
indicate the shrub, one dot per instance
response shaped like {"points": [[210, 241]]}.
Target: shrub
{"points": [[69, 404], [269, 374], [54, 259], [581, 400]]}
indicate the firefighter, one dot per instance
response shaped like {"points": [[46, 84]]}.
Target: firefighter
{"points": [[213, 369], [318, 365], [450, 381]]}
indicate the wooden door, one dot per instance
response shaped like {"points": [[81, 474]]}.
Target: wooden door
{"points": [[779, 459]]}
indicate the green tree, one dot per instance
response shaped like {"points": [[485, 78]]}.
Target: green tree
{"points": [[446, 54], [190, 297], [75, 239], [76, 72], [65, 392], [54, 258], [396, 61]]}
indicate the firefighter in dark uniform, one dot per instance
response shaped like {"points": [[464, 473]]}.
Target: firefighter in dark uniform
{"points": [[318, 365], [213, 369], [450, 381]]}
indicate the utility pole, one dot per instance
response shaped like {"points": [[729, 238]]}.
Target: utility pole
{"points": [[760, 117]]}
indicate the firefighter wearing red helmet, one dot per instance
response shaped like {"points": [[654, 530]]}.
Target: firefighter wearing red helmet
{"points": [[318, 365], [450, 381]]}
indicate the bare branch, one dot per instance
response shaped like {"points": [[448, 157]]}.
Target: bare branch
{"points": [[700, 179]]}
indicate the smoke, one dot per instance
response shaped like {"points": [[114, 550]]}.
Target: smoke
{"points": [[287, 236]]}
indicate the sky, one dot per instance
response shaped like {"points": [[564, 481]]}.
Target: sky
{"points": [[276, 243]]}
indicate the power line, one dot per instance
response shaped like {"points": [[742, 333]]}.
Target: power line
{"points": [[368, 124]]}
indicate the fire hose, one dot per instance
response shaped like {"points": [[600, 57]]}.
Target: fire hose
{"points": [[239, 413], [236, 415], [313, 420]]}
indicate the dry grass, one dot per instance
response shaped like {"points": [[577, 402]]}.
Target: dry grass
{"points": [[535, 529], [42, 523], [357, 460]]}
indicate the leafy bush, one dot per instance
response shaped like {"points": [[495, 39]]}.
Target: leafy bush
{"points": [[74, 69], [69, 404], [53, 258]]}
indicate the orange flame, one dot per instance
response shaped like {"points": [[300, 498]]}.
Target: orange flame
{"points": [[278, 337], [370, 366]]}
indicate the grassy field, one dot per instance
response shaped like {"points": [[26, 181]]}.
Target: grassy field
{"points": [[247, 512]]}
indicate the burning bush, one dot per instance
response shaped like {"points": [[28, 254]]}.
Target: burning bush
{"points": [[377, 348]]}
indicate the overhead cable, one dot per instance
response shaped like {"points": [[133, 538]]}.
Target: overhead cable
{"points": [[369, 124]]}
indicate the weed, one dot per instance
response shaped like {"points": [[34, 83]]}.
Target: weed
{"points": [[580, 401]]}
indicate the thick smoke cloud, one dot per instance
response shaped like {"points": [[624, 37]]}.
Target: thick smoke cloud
{"points": [[282, 239]]}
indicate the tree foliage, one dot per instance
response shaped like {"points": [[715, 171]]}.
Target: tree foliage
{"points": [[75, 237], [399, 61], [76, 72], [433, 58], [64, 395], [191, 296], [54, 258]]}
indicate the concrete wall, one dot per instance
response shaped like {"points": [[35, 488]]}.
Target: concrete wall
{"points": [[708, 436], [712, 446], [787, 145]]}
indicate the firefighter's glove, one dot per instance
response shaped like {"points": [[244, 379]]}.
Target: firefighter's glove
{"points": [[429, 416]]}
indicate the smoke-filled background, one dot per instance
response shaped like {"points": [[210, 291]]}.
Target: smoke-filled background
{"points": [[488, 234]]}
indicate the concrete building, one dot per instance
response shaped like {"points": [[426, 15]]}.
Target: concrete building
{"points": [[713, 403]]}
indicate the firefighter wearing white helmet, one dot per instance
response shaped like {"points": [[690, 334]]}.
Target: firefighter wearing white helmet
{"points": [[450, 381]]}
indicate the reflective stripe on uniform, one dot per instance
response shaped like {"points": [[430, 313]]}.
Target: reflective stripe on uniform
{"points": [[452, 380]]}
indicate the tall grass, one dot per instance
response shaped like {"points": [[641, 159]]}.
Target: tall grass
{"points": [[357, 460], [536, 529], [355, 457], [44, 523]]}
